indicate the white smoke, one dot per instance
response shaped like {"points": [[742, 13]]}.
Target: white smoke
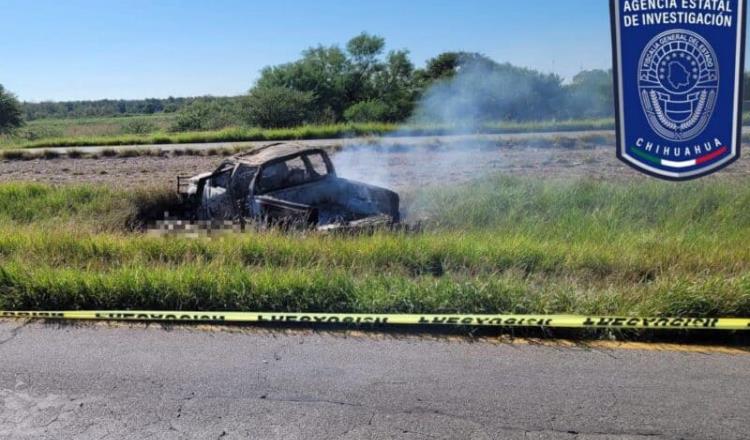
{"points": [[476, 94], [458, 106]]}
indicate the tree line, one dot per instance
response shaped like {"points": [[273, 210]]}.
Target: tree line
{"points": [[103, 107], [362, 82]]}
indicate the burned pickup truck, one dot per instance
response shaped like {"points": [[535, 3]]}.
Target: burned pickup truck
{"points": [[286, 184]]}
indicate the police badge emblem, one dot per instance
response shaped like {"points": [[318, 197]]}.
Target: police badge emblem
{"points": [[678, 71], [678, 82]]}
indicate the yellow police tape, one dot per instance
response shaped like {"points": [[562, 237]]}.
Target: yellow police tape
{"points": [[541, 321]]}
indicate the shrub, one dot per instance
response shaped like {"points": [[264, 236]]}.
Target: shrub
{"points": [[277, 107], [367, 111], [50, 154], [16, 155], [11, 116], [36, 132], [207, 114], [129, 152], [138, 126]]}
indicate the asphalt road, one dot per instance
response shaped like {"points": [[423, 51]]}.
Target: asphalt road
{"points": [[112, 382]]}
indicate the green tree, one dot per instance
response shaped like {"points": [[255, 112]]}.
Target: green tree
{"points": [[368, 111], [395, 85], [339, 79], [208, 114], [11, 116], [466, 88], [364, 51], [365, 48], [447, 64], [443, 65], [590, 94], [276, 106], [323, 73]]}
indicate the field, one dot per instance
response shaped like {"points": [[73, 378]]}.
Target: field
{"points": [[425, 161], [155, 129], [496, 238], [41, 129]]}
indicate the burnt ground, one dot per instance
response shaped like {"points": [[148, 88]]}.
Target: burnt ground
{"points": [[400, 168]]}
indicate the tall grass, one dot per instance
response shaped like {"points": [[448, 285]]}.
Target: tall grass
{"points": [[498, 245], [94, 126], [82, 207], [154, 129], [237, 134]]}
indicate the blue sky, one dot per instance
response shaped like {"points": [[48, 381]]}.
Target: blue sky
{"points": [[93, 49]]}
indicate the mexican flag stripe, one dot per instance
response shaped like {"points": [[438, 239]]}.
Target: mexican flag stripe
{"points": [[678, 164]]}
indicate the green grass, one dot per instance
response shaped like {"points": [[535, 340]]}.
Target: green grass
{"points": [[109, 132], [154, 129], [84, 208], [579, 141], [499, 245], [95, 126]]}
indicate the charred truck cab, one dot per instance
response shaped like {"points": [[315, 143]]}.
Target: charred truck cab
{"points": [[287, 184]]}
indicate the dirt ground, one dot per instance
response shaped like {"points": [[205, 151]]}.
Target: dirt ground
{"points": [[400, 168]]}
